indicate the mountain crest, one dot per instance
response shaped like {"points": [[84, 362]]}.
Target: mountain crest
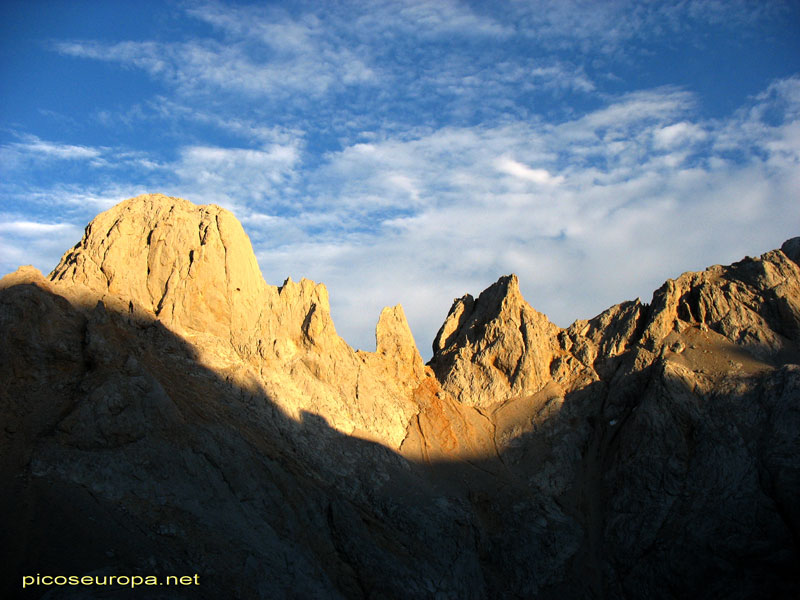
{"points": [[494, 347], [468, 318], [192, 267]]}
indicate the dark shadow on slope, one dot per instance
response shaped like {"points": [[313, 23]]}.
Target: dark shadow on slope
{"points": [[123, 455]]}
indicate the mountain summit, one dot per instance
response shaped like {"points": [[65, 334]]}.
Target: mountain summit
{"points": [[168, 412]]}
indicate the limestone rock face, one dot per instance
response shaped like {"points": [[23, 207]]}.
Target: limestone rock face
{"points": [[494, 347], [394, 341], [753, 304], [607, 335], [165, 410], [497, 347], [192, 269]]}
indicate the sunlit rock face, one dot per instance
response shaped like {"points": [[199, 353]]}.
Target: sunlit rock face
{"points": [[494, 347], [192, 269], [166, 411]]}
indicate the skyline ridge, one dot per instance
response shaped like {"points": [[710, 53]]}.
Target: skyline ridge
{"points": [[591, 148]]}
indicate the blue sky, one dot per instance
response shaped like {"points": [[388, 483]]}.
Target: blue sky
{"points": [[415, 151]]}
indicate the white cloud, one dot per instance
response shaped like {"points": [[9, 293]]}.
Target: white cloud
{"points": [[678, 134], [631, 111], [540, 176], [35, 150], [24, 241], [269, 55], [610, 27], [564, 77], [252, 130], [32, 227], [234, 177], [277, 57], [427, 18], [58, 151]]}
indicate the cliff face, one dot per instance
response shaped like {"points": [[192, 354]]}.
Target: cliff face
{"points": [[192, 269], [167, 411], [494, 347]]}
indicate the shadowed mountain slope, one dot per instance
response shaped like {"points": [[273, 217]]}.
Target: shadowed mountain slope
{"points": [[167, 412]]}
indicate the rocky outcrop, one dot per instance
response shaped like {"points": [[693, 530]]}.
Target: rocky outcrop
{"points": [[753, 303], [394, 342], [192, 269], [167, 411], [494, 347]]}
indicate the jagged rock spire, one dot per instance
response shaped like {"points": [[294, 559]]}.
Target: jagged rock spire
{"points": [[494, 347]]}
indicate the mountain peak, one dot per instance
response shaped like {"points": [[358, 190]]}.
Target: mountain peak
{"points": [[506, 285], [468, 317], [494, 347], [190, 266]]}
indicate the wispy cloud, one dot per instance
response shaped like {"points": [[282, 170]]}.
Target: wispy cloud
{"points": [[610, 27], [31, 148], [248, 129], [266, 54], [428, 18], [236, 177], [413, 151], [393, 51], [24, 241], [32, 227]]}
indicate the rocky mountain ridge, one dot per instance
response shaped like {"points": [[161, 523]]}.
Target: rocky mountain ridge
{"points": [[155, 384]]}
